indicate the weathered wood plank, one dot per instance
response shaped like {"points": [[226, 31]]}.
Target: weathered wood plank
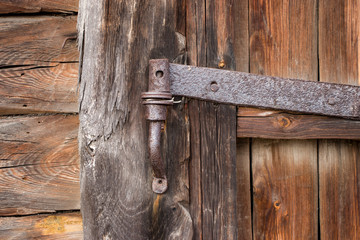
{"points": [[38, 64], [283, 42], [36, 6], [279, 125], [116, 41], [212, 31], [39, 167], [284, 189], [339, 189], [243, 180], [339, 182], [62, 226]]}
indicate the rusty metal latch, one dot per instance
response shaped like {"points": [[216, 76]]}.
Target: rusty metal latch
{"points": [[156, 100], [237, 88]]}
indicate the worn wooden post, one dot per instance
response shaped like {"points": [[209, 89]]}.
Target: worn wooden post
{"points": [[116, 40]]}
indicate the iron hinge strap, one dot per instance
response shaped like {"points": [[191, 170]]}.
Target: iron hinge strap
{"points": [[237, 88]]}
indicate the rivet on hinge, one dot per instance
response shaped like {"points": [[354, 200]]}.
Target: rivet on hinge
{"points": [[156, 100]]}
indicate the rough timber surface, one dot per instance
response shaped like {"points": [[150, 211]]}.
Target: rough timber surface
{"points": [[47, 227], [38, 64], [283, 42], [39, 167], [257, 123], [217, 37], [116, 41], [339, 169], [36, 6]]}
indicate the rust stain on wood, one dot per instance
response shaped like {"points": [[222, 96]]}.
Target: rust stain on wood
{"points": [[58, 226], [55, 224]]}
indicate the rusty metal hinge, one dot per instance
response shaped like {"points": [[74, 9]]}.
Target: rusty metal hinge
{"points": [[156, 100], [237, 88]]}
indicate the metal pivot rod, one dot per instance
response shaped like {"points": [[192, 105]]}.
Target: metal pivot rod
{"points": [[156, 100], [236, 88]]}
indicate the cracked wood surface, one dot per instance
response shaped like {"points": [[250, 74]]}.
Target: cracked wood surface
{"points": [[116, 41], [38, 64], [39, 167], [37, 6]]}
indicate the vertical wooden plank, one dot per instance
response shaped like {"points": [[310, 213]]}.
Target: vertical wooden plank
{"points": [[283, 42], [243, 176], [217, 36], [196, 51], [117, 38], [339, 181]]}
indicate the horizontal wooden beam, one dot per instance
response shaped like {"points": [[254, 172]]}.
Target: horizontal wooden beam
{"points": [[36, 6], [39, 167], [257, 123], [55, 226], [38, 64]]}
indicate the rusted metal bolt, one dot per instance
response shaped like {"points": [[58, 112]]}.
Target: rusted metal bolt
{"points": [[332, 101], [221, 64], [214, 86]]}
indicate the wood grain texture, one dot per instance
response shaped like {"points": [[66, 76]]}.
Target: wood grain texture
{"points": [[50, 227], [36, 6], [243, 181], [284, 184], [279, 125], [339, 59], [116, 41], [283, 42], [38, 64], [211, 31], [39, 167], [339, 189]]}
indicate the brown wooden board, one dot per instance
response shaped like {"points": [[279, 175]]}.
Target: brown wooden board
{"points": [[280, 125], [38, 64], [117, 39], [61, 226], [283, 42], [339, 171], [212, 30], [36, 6], [39, 167]]}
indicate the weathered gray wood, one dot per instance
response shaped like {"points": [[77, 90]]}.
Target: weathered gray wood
{"points": [[212, 27], [39, 164], [116, 41]]}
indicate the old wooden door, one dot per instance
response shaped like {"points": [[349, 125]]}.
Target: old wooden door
{"points": [[220, 186]]}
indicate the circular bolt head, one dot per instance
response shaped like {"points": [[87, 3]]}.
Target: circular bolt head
{"points": [[214, 86], [332, 101], [159, 185]]}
